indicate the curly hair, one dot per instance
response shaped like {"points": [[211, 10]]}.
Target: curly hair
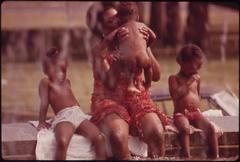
{"points": [[189, 52], [52, 54], [127, 11]]}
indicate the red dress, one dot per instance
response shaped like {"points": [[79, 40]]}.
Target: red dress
{"points": [[105, 101], [130, 106], [138, 104]]}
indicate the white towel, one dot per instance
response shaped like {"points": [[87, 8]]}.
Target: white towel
{"points": [[79, 147]]}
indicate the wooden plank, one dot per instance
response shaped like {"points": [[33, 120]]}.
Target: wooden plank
{"points": [[19, 157], [18, 132], [20, 138], [162, 94], [19, 147]]}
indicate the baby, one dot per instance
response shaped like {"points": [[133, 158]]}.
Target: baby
{"points": [[133, 49], [184, 89], [55, 90]]}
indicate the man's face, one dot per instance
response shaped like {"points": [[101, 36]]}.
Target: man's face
{"points": [[110, 18]]}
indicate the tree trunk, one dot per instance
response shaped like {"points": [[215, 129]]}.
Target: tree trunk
{"points": [[173, 24], [157, 19], [197, 24]]}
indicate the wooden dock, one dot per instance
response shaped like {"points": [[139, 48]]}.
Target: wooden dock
{"points": [[19, 140]]}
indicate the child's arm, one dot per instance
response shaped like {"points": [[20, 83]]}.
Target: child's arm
{"points": [[43, 94], [176, 91], [179, 90]]}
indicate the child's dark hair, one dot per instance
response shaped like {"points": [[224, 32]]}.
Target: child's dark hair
{"points": [[127, 11], [188, 53], [52, 53], [50, 56]]}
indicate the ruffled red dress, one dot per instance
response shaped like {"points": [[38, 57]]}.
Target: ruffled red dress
{"points": [[130, 106]]}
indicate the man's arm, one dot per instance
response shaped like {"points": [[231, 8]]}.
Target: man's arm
{"points": [[155, 66], [198, 87], [107, 73], [43, 94], [152, 36]]}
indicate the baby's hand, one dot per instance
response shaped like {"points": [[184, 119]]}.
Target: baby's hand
{"points": [[196, 77], [43, 125]]}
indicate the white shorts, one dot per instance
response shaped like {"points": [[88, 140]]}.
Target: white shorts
{"points": [[72, 114]]}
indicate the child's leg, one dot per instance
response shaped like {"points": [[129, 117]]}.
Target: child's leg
{"points": [[131, 86], [153, 134], [63, 133], [148, 76], [203, 123], [116, 130], [182, 123], [90, 131], [131, 68]]}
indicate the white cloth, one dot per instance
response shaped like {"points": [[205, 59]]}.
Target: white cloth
{"points": [[79, 147], [72, 114]]}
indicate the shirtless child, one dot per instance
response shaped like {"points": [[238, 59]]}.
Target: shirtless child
{"points": [[184, 90], [133, 50], [55, 90]]}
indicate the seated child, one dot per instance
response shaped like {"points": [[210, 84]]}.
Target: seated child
{"points": [[184, 90], [55, 90], [133, 49]]}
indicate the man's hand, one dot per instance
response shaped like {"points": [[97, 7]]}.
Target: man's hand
{"points": [[123, 33], [144, 32], [43, 125]]}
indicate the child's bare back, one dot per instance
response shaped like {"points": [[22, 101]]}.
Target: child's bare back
{"points": [[133, 50]]}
